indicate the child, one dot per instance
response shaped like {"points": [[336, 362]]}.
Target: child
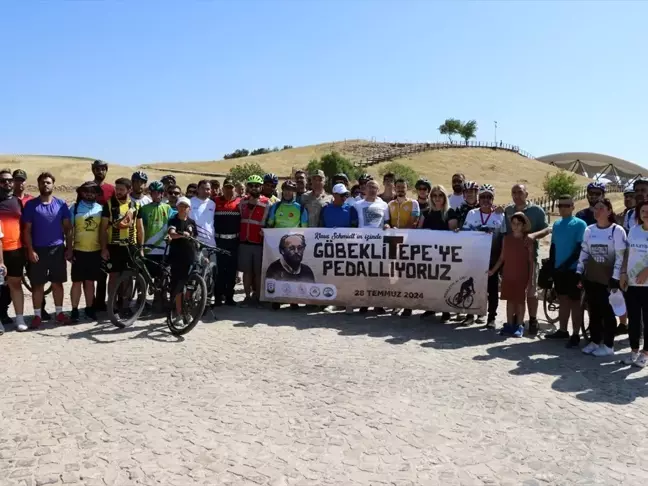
{"points": [[517, 258], [182, 250]]}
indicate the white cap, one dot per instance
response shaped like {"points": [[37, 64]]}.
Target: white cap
{"points": [[340, 189], [183, 200], [618, 303]]}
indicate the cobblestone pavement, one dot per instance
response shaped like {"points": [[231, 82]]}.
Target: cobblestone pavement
{"points": [[288, 398]]}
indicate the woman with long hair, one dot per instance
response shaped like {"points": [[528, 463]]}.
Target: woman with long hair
{"points": [[599, 268]]}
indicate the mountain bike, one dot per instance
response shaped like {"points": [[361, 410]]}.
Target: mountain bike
{"points": [[552, 308], [197, 289], [463, 300], [127, 299]]}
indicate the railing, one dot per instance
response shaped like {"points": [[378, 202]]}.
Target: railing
{"points": [[549, 205], [402, 149]]}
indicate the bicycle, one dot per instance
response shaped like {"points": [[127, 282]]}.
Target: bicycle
{"points": [[463, 300], [551, 307], [198, 287], [134, 284]]}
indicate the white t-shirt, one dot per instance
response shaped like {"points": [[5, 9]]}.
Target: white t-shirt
{"points": [[372, 214], [478, 221], [142, 200], [202, 212], [602, 252], [637, 254], [455, 200]]}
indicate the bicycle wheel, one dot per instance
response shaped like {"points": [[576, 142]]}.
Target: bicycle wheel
{"points": [[127, 299], [27, 284], [209, 280], [585, 328], [194, 301], [550, 305], [456, 300], [468, 301]]}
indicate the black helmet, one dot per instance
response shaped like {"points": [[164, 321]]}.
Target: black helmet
{"points": [[423, 183], [365, 178], [340, 177], [170, 179], [139, 175], [272, 178], [290, 185], [99, 163]]}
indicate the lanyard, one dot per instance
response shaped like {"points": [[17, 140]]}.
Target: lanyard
{"points": [[481, 216]]}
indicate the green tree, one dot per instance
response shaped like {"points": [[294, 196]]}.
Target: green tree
{"points": [[286, 147], [468, 130], [237, 154], [401, 171], [260, 151], [450, 127], [334, 163], [559, 183], [241, 172]]}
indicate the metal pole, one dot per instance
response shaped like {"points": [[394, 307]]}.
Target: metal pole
{"points": [[495, 132]]}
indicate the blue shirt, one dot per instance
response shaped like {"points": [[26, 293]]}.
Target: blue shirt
{"points": [[567, 235], [344, 216], [46, 220]]}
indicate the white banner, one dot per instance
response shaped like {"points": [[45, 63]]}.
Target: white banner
{"points": [[411, 269]]}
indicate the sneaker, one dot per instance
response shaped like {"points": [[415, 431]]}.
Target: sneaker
{"points": [[363, 310], [379, 310], [573, 342], [519, 331], [36, 322], [21, 327], [480, 320], [294, 306], [276, 306], [590, 348], [533, 327], [630, 360], [641, 361], [603, 351], [5, 320], [90, 313], [490, 324], [469, 320], [247, 302], [45, 315], [63, 319], [445, 318], [406, 313], [507, 330], [621, 329], [558, 335], [74, 315], [2, 329]]}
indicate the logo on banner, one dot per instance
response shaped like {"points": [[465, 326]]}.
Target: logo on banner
{"points": [[461, 294]]}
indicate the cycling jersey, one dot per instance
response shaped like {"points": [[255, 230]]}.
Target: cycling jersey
{"points": [[155, 219], [10, 213], [115, 211], [287, 214], [86, 220], [404, 214], [602, 253]]}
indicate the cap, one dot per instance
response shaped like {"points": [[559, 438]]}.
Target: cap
{"points": [[618, 303], [228, 182], [183, 200], [19, 174], [99, 163], [317, 173], [340, 189], [89, 185]]}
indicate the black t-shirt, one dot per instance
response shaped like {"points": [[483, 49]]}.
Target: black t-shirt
{"points": [[277, 271], [460, 213], [586, 215], [435, 220], [182, 250]]}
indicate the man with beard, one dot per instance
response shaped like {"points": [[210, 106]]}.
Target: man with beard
{"points": [[173, 193], [456, 199], [254, 210], [595, 192], [457, 216], [630, 202], [19, 180], [120, 227], [289, 267], [12, 249], [640, 187], [100, 171], [269, 189], [202, 212], [86, 259], [388, 183], [227, 223], [215, 189], [300, 180], [340, 178], [47, 232], [139, 180]]}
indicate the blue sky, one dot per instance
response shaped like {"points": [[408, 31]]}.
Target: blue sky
{"points": [[145, 81]]}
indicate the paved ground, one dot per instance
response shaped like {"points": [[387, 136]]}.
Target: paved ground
{"points": [[285, 398]]}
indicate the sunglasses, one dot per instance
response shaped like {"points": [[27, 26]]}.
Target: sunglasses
{"points": [[254, 186]]}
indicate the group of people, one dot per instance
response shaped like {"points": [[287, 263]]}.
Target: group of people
{"points": [[594, 251]]}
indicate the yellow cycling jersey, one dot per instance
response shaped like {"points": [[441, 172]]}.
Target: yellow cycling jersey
{"points": [[404, 214]]}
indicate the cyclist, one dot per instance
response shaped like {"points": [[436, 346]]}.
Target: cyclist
{"points": [[456, 199], [155, 219], [100, 171], [630, 202], [202, 212], [269, 189], [423, 188], [138, 181], [595, 192], [467, 288], [86, 259], [254, 210], [120, 227], [182, 251], [340, 178], [640, 187], [315, 199], [456, 217], [173, 192], [227, 221]]}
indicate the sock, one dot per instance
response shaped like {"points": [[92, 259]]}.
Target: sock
{"points": [[37, 312], [73, 308], [19, 319], [59, 309]]}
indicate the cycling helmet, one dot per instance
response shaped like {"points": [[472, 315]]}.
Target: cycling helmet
{"points": [[487, 189], [340, 177], [640, 180], [99, 163], [271, 178], [629, 189], [139, 175], [365, 178], [289, 185], [156, 186], [168, 179], [423, 183], [254, 179], [596, 186], [470, 185]]}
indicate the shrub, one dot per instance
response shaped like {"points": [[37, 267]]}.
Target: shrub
{"points": [[241, 172], [237, 154], [559, 183], [401, 171]]}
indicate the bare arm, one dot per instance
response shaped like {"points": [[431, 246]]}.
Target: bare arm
{"points": [[499, 263], [27, 237], [139, 225], [538, 235], [103, 233], [69, 233]]}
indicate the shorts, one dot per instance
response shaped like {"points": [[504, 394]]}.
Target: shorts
{"points": [[179, 274], [532, 291], [566, 284], [50, 267], [249, 258], [86, 266], [15, 261], [120, 259]]}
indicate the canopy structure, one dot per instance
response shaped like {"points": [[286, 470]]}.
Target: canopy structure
{"points": [[596, 166]]}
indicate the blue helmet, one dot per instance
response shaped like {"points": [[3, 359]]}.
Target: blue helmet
{"points": [[271, 178], [596, 185]]}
